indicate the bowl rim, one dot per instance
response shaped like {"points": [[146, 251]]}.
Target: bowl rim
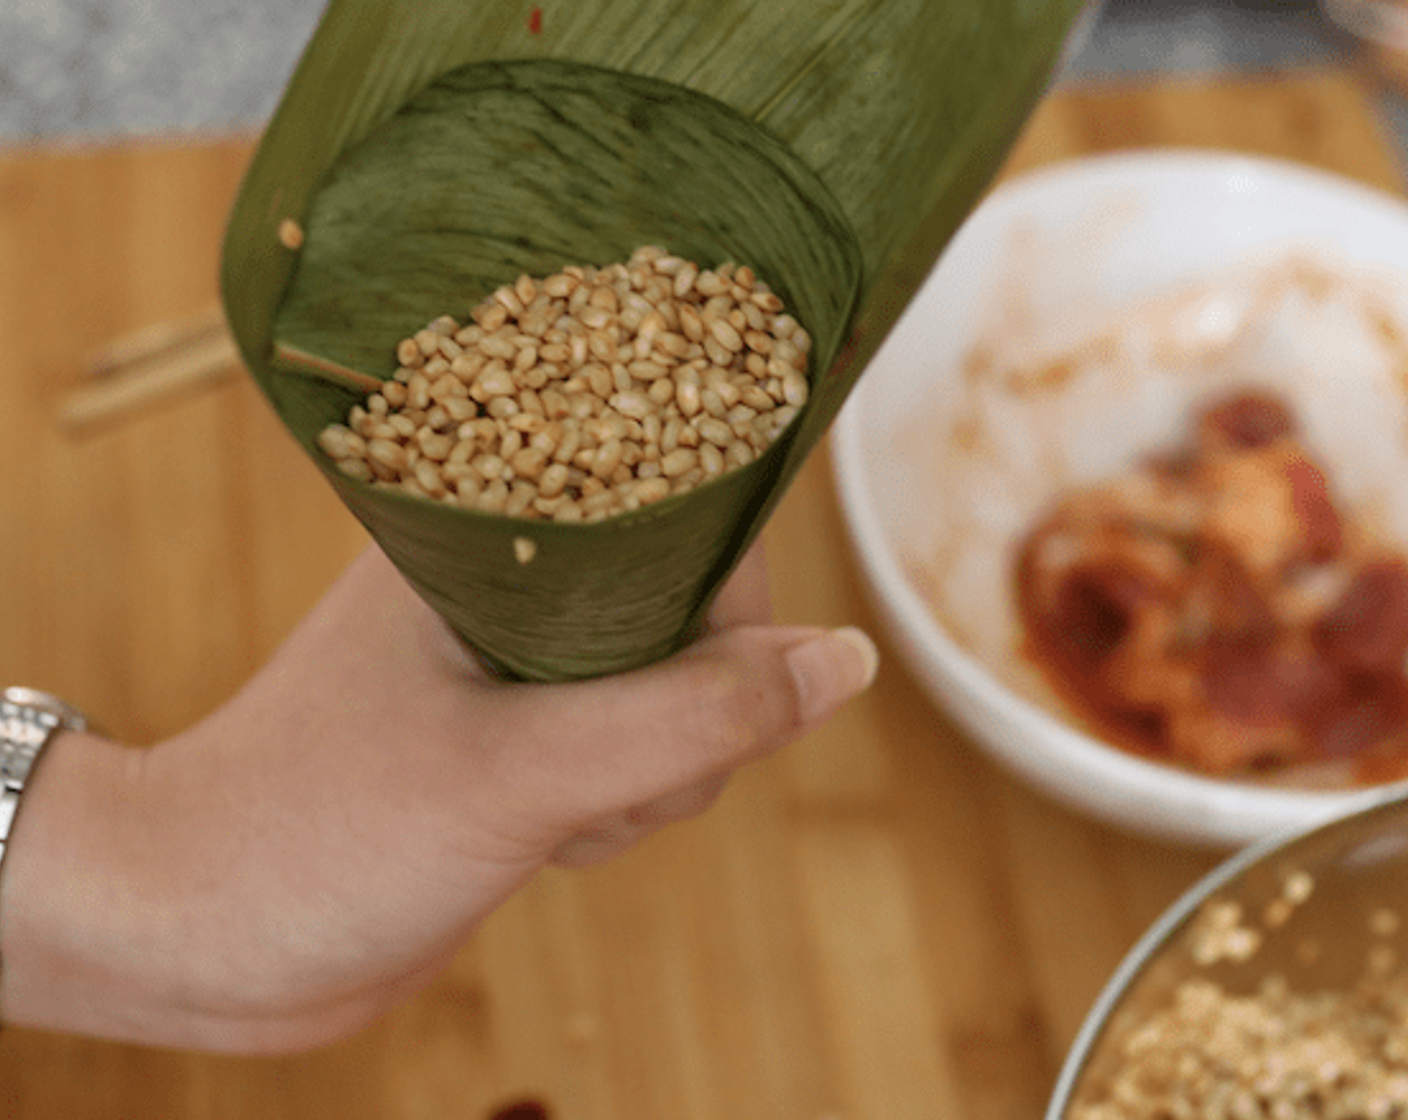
{"points": [[1098, 779]]}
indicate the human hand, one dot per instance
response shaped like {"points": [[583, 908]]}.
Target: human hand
{"points": [[318, 849]]}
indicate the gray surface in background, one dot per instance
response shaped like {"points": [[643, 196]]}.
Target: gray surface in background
{"points": [[1207, 36], [103, 69], [99, 69]]}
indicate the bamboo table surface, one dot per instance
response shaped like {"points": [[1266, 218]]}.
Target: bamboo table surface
{"points": [[876, 924]]}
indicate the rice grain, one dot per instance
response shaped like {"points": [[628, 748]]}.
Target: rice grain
{"points": [[584, 394]]}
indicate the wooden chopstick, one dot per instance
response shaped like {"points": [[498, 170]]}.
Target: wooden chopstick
{"points": [[149, 367], [153, 341]]}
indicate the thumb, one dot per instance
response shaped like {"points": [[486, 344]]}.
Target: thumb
{"points": [[587, 748]]}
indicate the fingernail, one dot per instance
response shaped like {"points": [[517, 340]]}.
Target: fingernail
{"points": [[830, 669]]}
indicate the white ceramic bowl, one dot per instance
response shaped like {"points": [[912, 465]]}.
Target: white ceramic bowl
{"points": [[1121, 290]]}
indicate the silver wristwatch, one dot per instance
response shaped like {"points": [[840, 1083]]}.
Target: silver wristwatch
{"points": [[28, 720]]}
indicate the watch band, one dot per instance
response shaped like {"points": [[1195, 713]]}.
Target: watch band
{"points": [[29, 719]]}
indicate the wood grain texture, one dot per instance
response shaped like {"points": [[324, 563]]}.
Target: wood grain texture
{"points": [[875, 924]]}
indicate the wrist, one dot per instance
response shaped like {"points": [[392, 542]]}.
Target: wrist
{"points": [[69, 921], [117, 900]]}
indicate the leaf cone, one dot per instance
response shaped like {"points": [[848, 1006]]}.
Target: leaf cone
{"points": [[432, 150]]}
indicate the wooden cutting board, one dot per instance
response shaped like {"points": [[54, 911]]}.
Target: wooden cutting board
{"points": [[875, 925]]}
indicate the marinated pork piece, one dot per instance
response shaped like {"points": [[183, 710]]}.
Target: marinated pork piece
{"points": [[1214, 608]]}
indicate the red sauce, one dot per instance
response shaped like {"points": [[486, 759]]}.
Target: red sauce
{"points": [[1214, 607]]}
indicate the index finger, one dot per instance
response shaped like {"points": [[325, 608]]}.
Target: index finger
{"points": [[745, 599]]}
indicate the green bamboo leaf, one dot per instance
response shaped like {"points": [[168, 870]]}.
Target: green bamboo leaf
{"points": [[433, 150]]}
